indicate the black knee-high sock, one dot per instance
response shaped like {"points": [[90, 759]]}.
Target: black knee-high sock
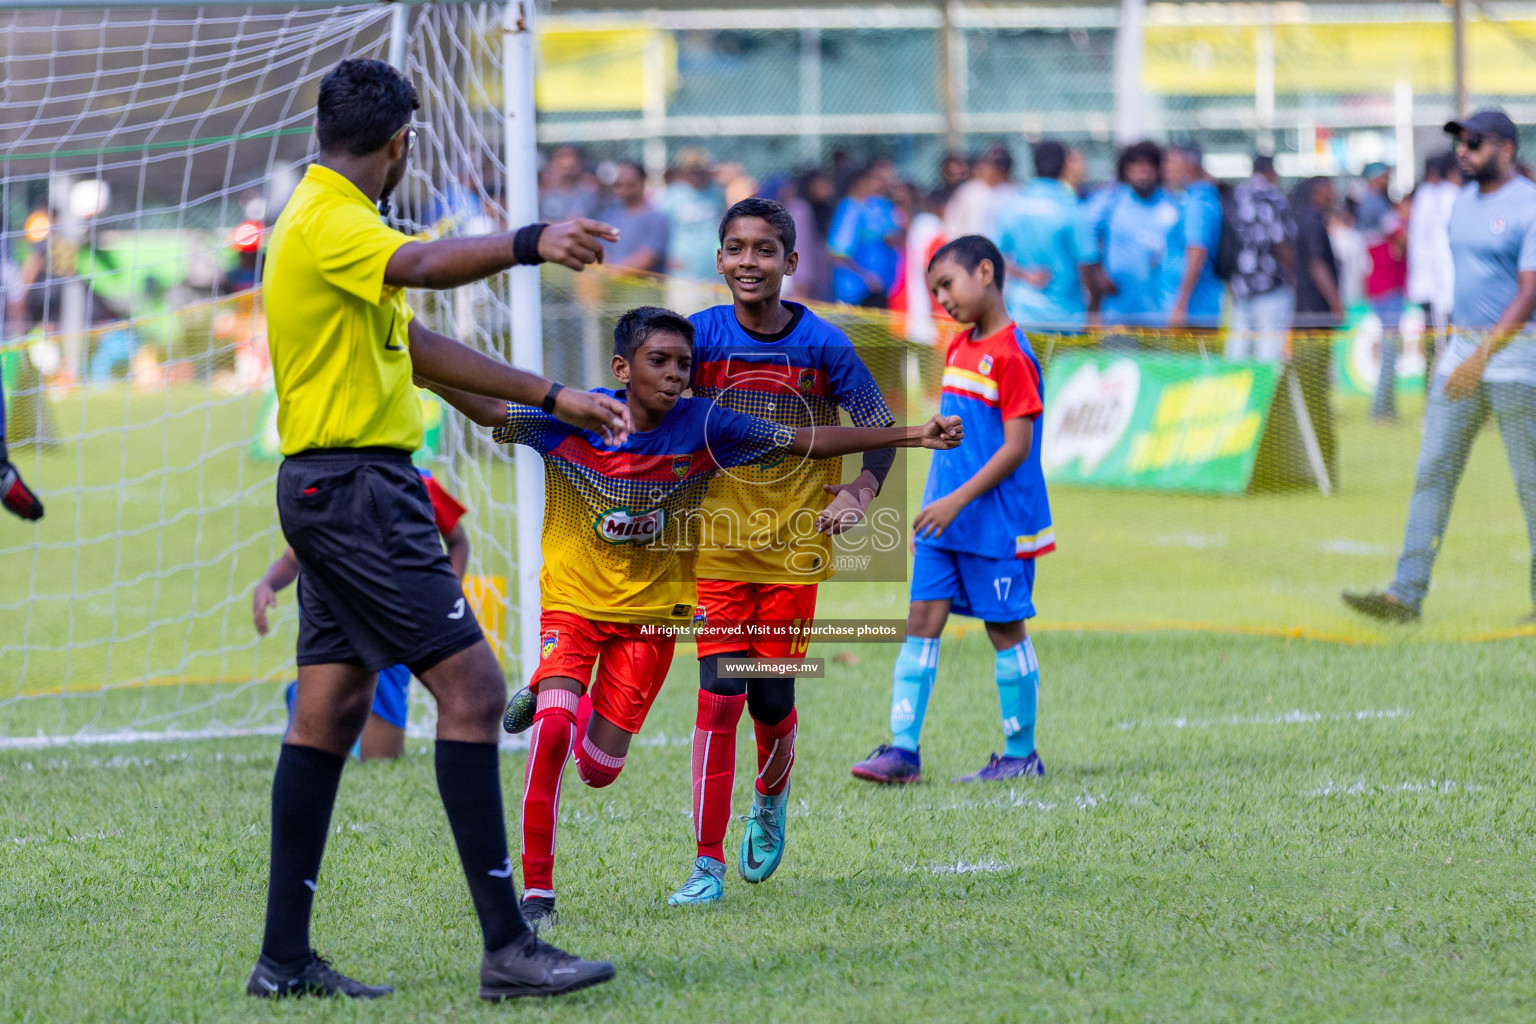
{"points": [[303, 794], [469, 780]]}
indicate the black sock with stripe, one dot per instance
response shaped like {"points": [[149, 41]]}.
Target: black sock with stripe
{"points": [[469, 781]]}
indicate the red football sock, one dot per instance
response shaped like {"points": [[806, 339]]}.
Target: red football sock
{"points": [[554, 729], [775, 753], [714, 769], [597, 768]]}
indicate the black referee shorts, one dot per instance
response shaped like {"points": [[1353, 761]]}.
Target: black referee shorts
{"points": [[375, 585]]}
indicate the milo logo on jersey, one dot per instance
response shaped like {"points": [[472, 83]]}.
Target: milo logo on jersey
{"points": [[621, 526]]}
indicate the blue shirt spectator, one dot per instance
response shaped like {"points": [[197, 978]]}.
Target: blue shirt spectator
{"points": [[1133, 233], [643, 229], [1044, 234], [863, 242], [694, 205], [1132, 221], [1198, 226], [1493, 240]]}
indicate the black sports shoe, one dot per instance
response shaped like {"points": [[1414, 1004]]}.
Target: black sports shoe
{"points": [[539, 912], [312, 977], [520, 710], [1380, 604], [529, 967]]}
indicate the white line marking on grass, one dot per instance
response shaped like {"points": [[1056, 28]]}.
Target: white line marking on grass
{"points": [[86, 739], [961, 867], [1443, 787], [1297, 717], [72, 837], [1355, 547], [1190, 540], [1014, 801], [119, 762]]}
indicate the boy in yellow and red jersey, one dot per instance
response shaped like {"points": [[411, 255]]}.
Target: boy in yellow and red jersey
{"points": [[620, 538], [767, 542]]}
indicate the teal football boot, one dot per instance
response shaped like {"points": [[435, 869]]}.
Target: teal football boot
{"points": [[763, 845], [705, 885]]}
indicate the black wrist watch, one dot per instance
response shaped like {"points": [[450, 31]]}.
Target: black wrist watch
{"points": [[549, 400]]}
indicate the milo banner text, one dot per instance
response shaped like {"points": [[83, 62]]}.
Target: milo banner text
{"points": [[1156, 422]]}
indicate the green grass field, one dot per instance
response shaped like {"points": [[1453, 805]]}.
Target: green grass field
{"points": [[1235, 827]]}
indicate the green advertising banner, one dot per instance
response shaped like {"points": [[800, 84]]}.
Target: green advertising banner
{"points": [[1357, 353], [1157, 422], [264, 445]]}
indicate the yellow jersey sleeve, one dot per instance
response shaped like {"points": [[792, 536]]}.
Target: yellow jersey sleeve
{"points": [[353, 250]]}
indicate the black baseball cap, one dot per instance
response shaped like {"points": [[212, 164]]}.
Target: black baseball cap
{"points": [[1486, 122]]}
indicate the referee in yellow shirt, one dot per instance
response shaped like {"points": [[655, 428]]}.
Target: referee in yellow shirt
{"points": [[375, 587]]}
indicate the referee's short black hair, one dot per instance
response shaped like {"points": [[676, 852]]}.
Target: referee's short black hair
{"points": [[773, 212], [363, 103], [969, 251], [638, 324]]}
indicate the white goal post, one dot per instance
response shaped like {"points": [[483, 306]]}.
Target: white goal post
{"points": [[143, 152]]}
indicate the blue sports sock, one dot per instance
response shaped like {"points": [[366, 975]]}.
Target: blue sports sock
{"points": [[916, 666], [1018, 691]]}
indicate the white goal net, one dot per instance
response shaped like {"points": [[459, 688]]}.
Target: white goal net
{"points": [[143, 151]]}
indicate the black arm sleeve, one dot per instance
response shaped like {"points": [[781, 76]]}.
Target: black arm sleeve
{"points": [[879, 463]]}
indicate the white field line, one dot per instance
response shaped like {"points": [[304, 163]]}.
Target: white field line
{"points": [[1355, 547], [1288, 718], [1014, 800], [121, 761], [1190, 540], [961, 867], [15, 842], [89, 739], [1443, 787]]}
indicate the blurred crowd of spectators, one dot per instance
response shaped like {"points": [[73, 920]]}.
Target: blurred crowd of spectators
{"points": [[1163, 246]]}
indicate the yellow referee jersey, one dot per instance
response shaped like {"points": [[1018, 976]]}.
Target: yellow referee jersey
{"points": [[337, 333]]}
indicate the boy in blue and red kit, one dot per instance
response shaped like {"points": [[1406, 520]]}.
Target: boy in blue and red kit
{"points": [[985, 519], [766, 544]]}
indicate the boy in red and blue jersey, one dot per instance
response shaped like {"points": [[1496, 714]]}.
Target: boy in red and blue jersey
{"points": [[620, 541], [985, 519], [767, 538]]}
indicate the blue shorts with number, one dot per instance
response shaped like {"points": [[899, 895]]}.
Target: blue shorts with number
{"points": [[990, 589]]}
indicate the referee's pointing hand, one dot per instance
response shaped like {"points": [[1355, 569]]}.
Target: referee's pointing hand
{"points": [[575, 243], [597, 413]]}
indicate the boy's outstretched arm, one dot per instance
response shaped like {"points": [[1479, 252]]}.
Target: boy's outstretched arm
{"points": [[940, 433], [1018, 436], [480, 409], [440, 359]]}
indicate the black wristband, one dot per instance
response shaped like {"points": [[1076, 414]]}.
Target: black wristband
{"points": [[878, 462], [525, 245], [549, 400]]}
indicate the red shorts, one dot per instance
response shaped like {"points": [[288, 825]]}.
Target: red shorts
{"points": [[729, 606], [630, 666]]}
